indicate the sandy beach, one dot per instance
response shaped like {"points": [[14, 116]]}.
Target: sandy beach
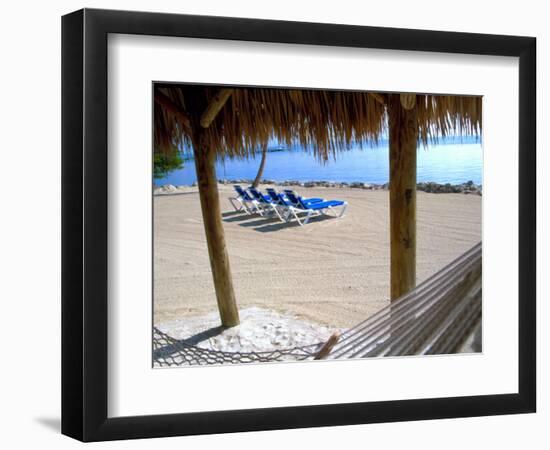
{"points": [[334, 272]]}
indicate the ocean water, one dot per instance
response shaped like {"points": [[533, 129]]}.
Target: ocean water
{"points": [[447, 162]]}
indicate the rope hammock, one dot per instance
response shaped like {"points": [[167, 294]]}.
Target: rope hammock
{"points": [[168, 351], [437, 317]]}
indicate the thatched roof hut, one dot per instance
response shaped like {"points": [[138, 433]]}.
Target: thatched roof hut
{"points": [[238, 122], [327, 121]]}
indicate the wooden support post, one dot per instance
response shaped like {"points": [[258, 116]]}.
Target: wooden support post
{"points": [[403, 131], [215, 106], [205, 159]]}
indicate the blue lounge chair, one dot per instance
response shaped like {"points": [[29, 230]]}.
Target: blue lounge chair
{"points": [[285, 201], [266, 203], [274, 196], [243, 201], [293, 197], [258, 195], [282, 202], [315, 209]]}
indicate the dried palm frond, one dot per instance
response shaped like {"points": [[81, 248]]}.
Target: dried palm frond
{"points": [[323, 121]]}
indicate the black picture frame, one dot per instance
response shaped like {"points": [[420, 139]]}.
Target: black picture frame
{"points": [[84, 224]]}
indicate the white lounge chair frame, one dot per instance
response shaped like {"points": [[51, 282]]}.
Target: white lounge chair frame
{"points": [[293, 211], [239, 203], [268, 207]]}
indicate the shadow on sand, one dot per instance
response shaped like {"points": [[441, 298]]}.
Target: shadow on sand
{"points": [[266, 224], [232, 213], [283, 225], [167, 350]]}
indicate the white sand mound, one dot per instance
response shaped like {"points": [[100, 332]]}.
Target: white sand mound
{"points": [[260, 330]]}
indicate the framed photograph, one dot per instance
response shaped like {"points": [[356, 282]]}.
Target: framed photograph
{"points": [[273, 224]]}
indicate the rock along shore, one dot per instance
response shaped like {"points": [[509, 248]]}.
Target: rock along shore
{"points": [[435, 188]]}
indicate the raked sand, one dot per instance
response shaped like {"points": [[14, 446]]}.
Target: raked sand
{"points": [[334, 272]]}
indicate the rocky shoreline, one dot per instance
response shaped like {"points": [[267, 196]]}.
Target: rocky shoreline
{"points": [[434, 188]]}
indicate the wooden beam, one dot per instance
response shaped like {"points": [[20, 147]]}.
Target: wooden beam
{"points": [[215, 106], [205, 158], [378, 97], [408, 101], [328, 346], [403, 131], [174, 109]]}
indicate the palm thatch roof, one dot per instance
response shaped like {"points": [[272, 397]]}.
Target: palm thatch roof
{"points": [[324, 121]]}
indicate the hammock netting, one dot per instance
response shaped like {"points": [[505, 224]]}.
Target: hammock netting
{"points": [[168, 351]]}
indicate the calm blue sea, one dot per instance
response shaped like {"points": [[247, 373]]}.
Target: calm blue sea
{"points": [[450, 161]]}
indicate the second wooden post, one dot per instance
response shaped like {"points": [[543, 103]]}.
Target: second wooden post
{"points": [[403, 134]]}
